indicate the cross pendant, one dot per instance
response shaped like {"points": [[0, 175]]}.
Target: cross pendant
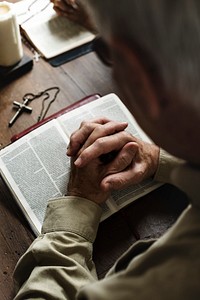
{"points": [[21, 108]]}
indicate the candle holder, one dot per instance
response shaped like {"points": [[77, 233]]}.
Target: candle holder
{"points": [[8, 74]]}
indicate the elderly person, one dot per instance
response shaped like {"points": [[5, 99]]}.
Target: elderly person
{"points": [[156, 65]]}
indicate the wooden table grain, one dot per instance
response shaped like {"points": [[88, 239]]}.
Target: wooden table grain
{"points": [[148, 217]]}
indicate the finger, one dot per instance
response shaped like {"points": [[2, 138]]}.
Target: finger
{"points": [[64, 10], [124, 179], [79, 137], [107, 129], [103, 145], [133, 175], [117, 181], [123, 159]]}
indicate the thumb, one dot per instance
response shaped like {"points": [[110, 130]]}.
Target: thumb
{"points": [[123, 159], [119, 172]]}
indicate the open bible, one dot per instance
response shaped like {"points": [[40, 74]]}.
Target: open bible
{"points": [[36, 167], [49, 33]]}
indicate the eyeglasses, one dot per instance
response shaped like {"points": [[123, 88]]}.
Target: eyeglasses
{"points": [[28, 9], [102, 50]]}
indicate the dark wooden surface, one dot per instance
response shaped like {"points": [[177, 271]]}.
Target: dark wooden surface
{"points": [[148, 217]]}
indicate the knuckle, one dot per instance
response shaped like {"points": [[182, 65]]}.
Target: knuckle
{"points": [[85, 124], [119, 183], [98, 128], [125, 160], [140, 174], [100, 143], [126, 136]]}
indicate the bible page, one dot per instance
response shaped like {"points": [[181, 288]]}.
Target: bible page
{"points": [[36, 168]]}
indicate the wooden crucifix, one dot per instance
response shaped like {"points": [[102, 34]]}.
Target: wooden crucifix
{"points": [[21, 108]]}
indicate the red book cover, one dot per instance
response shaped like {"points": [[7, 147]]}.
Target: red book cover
{"points": [[56, 115]]}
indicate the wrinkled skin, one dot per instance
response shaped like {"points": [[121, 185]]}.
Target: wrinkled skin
{"points": [[132, 162]]}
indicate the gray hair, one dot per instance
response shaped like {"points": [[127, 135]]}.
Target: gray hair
{"points": [[169, 30]]}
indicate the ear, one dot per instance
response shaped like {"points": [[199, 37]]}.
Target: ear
{"points": [[140, 66]]}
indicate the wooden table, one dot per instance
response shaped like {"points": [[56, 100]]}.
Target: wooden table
{"points": [[147, 218]]}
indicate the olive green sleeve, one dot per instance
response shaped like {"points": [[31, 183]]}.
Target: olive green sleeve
{"points": [[59, 261], [167, 163]]}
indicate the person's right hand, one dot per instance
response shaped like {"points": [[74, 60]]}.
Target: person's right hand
{"points": [[134, 160], [74, 11]]}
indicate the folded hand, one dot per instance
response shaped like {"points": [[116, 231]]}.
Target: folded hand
{"points": [[132, 162]]}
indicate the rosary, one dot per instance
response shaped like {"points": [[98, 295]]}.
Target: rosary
{"points": [[29, 97]]}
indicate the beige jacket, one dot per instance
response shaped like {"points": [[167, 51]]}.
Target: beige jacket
{"points": [[58, 265]]}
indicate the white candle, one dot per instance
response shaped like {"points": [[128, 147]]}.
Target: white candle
{"points": [[11, 50]]}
